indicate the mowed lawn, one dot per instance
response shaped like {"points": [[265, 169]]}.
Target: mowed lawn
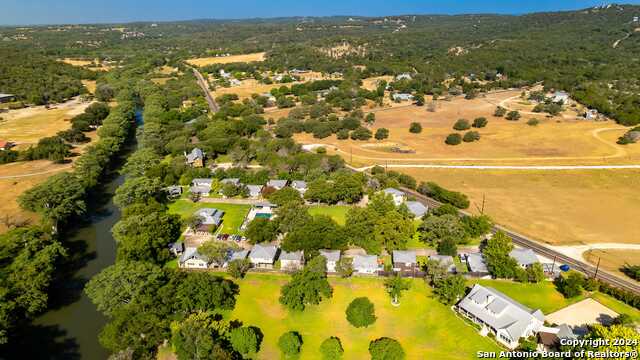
{"points": [[336, 212], [425, 328], [231, 222]]}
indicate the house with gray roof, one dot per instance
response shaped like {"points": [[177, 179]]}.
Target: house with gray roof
{"points": [[192, 259], [477, 265], [201, 186], [398, 196], [211, 219], [236, 255], [173, 191], [255, 191], [524, 257], [263, 256], [332, 257], [6, 98], [300, 186], [234, 181], [277, 184], [402, 97], [404, 260], [365, 264], [446, 261], [195, 158], [500, 315], [417, 208], [291, 261]]}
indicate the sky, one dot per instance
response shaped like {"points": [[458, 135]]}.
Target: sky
{"points": [[30, 12]]}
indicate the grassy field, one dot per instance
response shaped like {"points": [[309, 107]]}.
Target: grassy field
{"points": [[337, 213], [613, 260], [227, 59], [424, 327], [232, 220], [556, 207]]}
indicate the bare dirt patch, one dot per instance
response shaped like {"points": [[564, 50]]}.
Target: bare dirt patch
{"points": [[585, 312], [227, 59]]}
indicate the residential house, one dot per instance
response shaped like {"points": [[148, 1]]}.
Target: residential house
{"points": [[201, 186], [173, 191], [255, 191], [402, 97], [524, 257], [477, 265], [500, 315], [549, 339], [224, 74], [234, 181], [263, 256], [236, 255], [195, 158], [417, 208], [592, 114], [446, 261], [365, 264], [211, 219], [299, 185], [404, 260], [291, 261], [332, 257], [405, 76], [191, 259], [277, 184], [398, 196], [6, 98], [560, 96]]}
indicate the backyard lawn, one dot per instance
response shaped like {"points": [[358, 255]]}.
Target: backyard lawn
{"points": [[424, 327], [232, 220], [336, 212]]}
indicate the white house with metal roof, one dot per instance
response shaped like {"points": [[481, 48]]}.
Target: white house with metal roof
{"points": [[398, 196], [277, 184], [291, 261], [332, 257], [255, 191], [417, 208], [524, 257], [300, 186], [404, 260], [477, 265], [263, 256], [201, 186], [195, 158], [500, 315], [365, 264], [192, 259], [446, 261]]}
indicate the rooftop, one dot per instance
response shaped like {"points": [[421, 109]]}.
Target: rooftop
{"points": [[331, 255], [404, 256], [524, 257], [263, 252], [416, 208]]}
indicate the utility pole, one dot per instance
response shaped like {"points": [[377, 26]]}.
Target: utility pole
{"points": [[597, 268], [484, 197], [351, 150], [553, 267]]}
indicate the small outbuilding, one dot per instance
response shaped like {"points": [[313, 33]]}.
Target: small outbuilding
{"points": [[332, 257], [277, 184], [404, 260], [417, 208], [366, 264], [524, 257], [291, 261], [398, 196], [263, 256], [195, 158], [446, 261]]}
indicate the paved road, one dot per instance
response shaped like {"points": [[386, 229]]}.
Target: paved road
{"points": [[545, 251], [203, 85], [507, 167]]}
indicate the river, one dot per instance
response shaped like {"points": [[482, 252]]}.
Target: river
{"points": [[69, 330]]}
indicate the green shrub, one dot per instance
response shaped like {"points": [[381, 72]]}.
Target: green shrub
{"points": [[361, 313], [471, 136], [461, 124], [415, 128], [453, 139], [533, 122], [513, 116], [480, 122]]}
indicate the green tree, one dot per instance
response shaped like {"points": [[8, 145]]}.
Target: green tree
{"points": [[331, 349], [500, 111], [471, 136], [290, 344], [261, 230], [453, 139], [480, 122], [462, 124], [200, 336], [216, 252], [570, 285], [415, 128], [382, 134], [361, 312], [386, 349], [361, 133], [393, 231], [449, 288], [285, 195], [307, 286], [344, 267], [435, 229], [319, 232], [201, 291], [535, 273], [496, 253], [245, 340], [137, 190], [476, 226], [370, 119], [513, 115], [394, 286], [238, 268]]}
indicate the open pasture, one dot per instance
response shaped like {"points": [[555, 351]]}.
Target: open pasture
{"points": [[204, 61]]}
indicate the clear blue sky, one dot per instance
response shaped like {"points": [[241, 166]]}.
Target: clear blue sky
{"points": [[17, 12]]}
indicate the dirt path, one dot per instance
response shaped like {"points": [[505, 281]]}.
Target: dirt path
{"points": [[617, 42]]}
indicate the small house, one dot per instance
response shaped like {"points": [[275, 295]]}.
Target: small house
{"points": [[332, 257], [524, 257], [263, 256], [201, 186], [477, 265], [277, 184], [404, 260], [417, 208], [446, 261], [498, 314], [291, 261], [211, 219], [173, 191], [549, 339], [366, 264], [255, 191], [195, 158], [192, 259], [300, 186], [404, 76], [402, 97], [233, 181], [560, 97], [236, 255], [398, 196]]}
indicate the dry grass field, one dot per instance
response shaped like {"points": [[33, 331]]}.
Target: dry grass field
{"points": [[372, 83], [613, 260], [26, 126], [247, 88], [227, 59], [90, 85], [87, 64], [502, 141], [76, 62], [556, 207]]}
